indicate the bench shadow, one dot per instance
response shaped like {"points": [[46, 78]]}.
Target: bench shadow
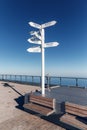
{"points": [[20, 102], [83, 120], [55, 119]]}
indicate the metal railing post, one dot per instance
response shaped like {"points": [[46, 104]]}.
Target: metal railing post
{"points": [[77, 82]]}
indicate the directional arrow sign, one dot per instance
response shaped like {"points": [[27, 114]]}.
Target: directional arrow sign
{"points": [[34, 49], [32, 40], [48, 24], [36, 33], [35, 25], [51, 44], [38, 36], [32, 32]]}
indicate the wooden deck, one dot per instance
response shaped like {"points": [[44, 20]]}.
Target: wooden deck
{"points": [[73, 121], [28, 121], [12, 116]]}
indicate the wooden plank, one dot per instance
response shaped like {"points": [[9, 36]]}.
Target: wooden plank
{"points": [[76, 113], [40, 109], [71, 120], [42, 100], [76, 109], [76, 105], [35, 97]]}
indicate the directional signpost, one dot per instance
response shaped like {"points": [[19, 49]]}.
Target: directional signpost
{"points": [[51, 44], [38, 38], [35, 25], [34, 49], [45, 25], [32, 40]]}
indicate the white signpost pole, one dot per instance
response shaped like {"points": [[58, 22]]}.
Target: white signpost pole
{"points": [[43, 45], [43, 62]]}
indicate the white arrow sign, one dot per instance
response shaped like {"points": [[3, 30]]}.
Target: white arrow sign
{"points": [[51, 44], [43, 25], [34, 49], [35, 25], [33, 32], [32, 40], [36, 33], [48, 24], [38, 36]]}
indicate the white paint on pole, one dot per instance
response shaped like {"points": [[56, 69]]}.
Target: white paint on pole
{"points": [[43, 62], [51, 44], [34, 49]]}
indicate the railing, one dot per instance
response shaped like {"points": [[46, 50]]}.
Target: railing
{"points": [[49, 80]]}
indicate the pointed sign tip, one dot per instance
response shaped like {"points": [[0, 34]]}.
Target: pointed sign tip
{"points": [[34, 49], [51, 44], [29, 23], [35, 25]]}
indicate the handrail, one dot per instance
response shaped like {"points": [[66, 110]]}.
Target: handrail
{"points": [[30, 79]]}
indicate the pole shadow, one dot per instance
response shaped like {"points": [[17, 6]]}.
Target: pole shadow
{"points": [[20, 99]]}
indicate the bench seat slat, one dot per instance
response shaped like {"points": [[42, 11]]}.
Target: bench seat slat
{"points": [[40, 109], [40, 97], [76, 111], [39, 101], [76, 105], [71, 120]]}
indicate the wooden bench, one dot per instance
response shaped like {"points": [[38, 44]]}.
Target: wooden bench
{"points": [[72, 111], [42, 105], [76, 109]]}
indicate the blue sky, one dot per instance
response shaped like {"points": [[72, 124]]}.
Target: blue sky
{"points": [[68, 59]]}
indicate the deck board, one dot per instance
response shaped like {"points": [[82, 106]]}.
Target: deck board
{"points": [[29, 121]]}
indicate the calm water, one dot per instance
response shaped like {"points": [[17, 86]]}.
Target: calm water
{"points": [[53, 80]]}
